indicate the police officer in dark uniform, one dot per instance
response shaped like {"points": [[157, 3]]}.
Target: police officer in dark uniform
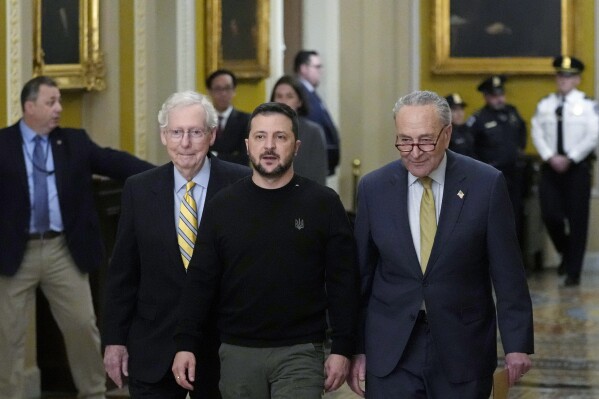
{"points": [[499, 140], [565, 132], [461, 141]]}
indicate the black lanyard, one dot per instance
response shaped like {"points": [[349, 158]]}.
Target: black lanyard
{"points": [[38, 167]]}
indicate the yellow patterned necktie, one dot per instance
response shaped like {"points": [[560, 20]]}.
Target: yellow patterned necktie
{"points": [[428, 222], [187, 227]]}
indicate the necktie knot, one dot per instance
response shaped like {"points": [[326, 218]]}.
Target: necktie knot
{"points": [[189, 186], [426, 182]]}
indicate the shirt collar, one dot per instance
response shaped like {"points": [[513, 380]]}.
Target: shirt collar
{"points": [[226, 113], [571, 95], [308, 85], [200, 179], [438, 175], [29, 134]]}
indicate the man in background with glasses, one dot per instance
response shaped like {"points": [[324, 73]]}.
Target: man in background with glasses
{"points": [[161, 211], [231, 128], [436, 236]]}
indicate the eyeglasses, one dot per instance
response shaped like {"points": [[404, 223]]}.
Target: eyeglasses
{"points": [[425, 145], [222, 89], [194, 134]]}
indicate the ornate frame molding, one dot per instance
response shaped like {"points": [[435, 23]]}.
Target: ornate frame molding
{"points": [[140, 78], [89, 72], [14, 60], [444, 63]]}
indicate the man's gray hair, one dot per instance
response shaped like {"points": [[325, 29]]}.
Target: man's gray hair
{"points": [[186, 98], [421, 98]]}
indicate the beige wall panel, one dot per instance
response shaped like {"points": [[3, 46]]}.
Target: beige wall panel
{"points": [[375, 69]]}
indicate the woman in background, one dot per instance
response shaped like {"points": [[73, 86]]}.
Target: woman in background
{"points": [[311, 158]]}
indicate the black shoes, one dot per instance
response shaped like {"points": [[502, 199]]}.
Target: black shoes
{"points": [[572, 281], [561, 269]]}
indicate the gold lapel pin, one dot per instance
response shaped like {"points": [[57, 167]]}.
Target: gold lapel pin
{"points": [[460, 194]]}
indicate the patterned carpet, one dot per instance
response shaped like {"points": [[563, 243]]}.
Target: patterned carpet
{"points": [[566, 362]]}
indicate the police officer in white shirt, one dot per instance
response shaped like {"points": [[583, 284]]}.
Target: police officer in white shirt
{"points": [[565, 131]]}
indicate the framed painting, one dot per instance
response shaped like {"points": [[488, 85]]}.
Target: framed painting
{"points": [[67, 43], [509, 36], [237, 37]]}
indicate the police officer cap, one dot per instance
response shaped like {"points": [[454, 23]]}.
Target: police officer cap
{"points": [[455, 100], [493, 85], [565, 65]]}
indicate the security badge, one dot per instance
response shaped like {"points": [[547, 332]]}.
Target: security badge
{"points": [[577, 110], [513, 119]]}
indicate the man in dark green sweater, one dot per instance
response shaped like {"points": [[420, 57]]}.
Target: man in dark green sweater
{"points": [[277, 253]]}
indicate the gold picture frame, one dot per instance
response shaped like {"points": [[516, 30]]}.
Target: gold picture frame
{"points": [[237, 37], [67, 43], [447, 62]]}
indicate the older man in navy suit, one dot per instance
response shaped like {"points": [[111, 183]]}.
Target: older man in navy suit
{"points": [[436, 236], [50, 234], [149, 263]]}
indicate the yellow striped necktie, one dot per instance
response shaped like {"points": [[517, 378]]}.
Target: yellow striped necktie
{"points": [[428, 222], [187, 227]]}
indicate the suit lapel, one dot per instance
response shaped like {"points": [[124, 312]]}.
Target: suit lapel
{"points": [[60, 156], [16, 150], [230, 127], [162, 189], [453, 201], [216, 179], [398, 212]]}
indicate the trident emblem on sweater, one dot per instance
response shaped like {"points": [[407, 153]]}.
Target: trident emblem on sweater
{"points": [[299, 224]]}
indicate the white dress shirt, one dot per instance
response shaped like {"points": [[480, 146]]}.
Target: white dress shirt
{"points": [[580, 126], [415, 190]]}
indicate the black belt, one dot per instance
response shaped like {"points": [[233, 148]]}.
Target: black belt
{"points": [[45, 236]]}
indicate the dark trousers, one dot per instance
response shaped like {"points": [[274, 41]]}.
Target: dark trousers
{"points": [[206, 381], [565, 210], [419, 374], [167, 388]]}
